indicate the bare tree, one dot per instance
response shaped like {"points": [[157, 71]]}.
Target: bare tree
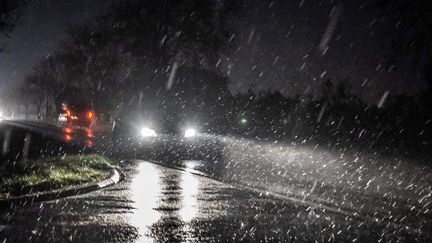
{"points": [[135, 47]]}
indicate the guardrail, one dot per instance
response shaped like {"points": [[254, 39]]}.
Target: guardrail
{"points": [[21, 140]]}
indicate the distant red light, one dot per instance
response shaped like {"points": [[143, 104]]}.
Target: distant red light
{"points": [[89, 133], [68, 130], [68, 137], [90, 115]]}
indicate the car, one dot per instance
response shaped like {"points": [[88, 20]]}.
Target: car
{"points": [[159, 128], [77, 115]]}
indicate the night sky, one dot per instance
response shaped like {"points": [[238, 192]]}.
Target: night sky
{"points": [[39, 34], [278, 46]]}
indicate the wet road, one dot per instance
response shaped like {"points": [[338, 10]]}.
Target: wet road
{"points": [[254, 192], [153, 203], [157, 203]]}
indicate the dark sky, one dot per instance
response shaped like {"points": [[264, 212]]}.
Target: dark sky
{"points": [[278, 45], [280, 49], [39, 34]]}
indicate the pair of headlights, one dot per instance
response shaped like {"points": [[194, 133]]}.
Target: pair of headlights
{"points": [[148, 132]]}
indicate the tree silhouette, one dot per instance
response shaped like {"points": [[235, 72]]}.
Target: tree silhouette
{"points": [[137, 46]]}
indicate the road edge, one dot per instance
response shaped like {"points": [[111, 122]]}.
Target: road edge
{"points": [[115, 176], [309, 202]]}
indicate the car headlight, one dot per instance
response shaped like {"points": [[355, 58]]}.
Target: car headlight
{"points": [[190, 132], [147, 132]]}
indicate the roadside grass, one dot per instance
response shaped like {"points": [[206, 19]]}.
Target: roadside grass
{"points": [[55, 173]]}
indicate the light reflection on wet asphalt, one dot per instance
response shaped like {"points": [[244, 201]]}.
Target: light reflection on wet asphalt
{"points": [[160, 195], [153, 203], [161, 204]]}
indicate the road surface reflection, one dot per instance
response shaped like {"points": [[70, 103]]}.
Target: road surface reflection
{"points": [[163, 197]]}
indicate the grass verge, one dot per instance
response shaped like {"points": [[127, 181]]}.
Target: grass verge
{"points": [[55, 173]]}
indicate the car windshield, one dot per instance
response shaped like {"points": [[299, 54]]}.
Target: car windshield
{"points": [[215, 121]]}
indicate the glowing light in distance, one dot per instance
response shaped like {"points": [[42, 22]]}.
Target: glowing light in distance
{"points": [[190, 132], [90, 115], [147, 132], [68, 138], [89, 133]]}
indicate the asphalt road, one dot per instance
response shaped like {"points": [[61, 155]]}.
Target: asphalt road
{"points": [[253, 192], [157, 203]]}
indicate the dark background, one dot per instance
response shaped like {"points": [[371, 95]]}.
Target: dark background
{"points": [[289, 32]]}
